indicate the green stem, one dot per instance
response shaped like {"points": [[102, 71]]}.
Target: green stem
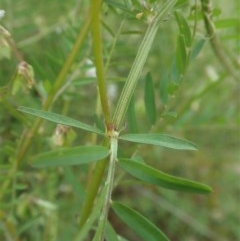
{"points": [[223, 57], [138, 64], [99, 236], [121, 109], [97, 51], [98, 169]]}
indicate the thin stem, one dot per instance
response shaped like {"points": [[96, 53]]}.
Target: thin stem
{"points": [[99, 236], [138, 64], [97, 51], [223, 57]]}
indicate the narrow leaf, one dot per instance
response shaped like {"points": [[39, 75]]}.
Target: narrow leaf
{"points": [[138, 223], [70, 156], [181, 54], [160, 140], [153, 176], [149, 99], [184, 28], [110, 234], [163, 88], [197, 48], [60, 119]]}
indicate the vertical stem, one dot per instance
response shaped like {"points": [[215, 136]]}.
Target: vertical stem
{"points": [[138, 63], [99, 236], [223, 57], [97, 51], [122, 107]]}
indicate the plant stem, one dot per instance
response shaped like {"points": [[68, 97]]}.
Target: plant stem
{"points": [[121, 109], [223, 57], [97, 51], [138, 64], [99, 236]]}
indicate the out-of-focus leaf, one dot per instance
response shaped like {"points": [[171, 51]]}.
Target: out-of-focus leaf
{"points": [[175, 74], [184, 28], [153, 176], [163, 88], [70, 156], [138, 223], [197, 48], [60, 119], [181, 54], [160, 140], [184, 43], [149, 99]]}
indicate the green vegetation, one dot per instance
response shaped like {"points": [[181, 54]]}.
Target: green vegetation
{"points": [[101, 104]]}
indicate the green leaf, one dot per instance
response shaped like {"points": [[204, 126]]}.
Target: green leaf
{"points": [[184, 42], [138, 223], [163, 88], [153, 176], [70, 156], [149, 99], [110, 234], [184, 28], [60, 119], [181, 54], [160, 140], [197, 48]]}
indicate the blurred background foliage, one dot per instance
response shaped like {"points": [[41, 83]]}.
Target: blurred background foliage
{"points": [[203, 107]]}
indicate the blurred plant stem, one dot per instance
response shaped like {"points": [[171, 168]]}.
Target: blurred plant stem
{"points": [[230, 64]]}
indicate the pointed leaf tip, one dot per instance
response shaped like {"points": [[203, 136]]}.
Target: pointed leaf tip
{"points": [[138, 223], [156, 177], [60, 119], [160, 140]]}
